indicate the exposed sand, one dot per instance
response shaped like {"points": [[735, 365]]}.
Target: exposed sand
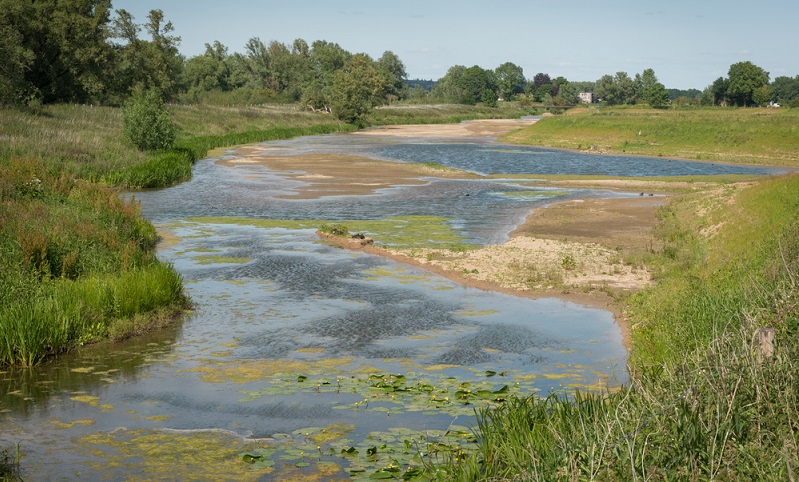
{"points": [[492, 128], [580, 251]]}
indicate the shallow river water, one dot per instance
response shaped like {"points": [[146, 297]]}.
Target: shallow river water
{"points": [[304, 359]]}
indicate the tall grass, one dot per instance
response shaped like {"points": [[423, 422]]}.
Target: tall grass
{"points": [[702, 404], [87, 142], [723, 415], [75, 259], [752, 136]]}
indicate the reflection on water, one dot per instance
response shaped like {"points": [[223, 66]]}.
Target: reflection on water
{"points": [[289, 333]]}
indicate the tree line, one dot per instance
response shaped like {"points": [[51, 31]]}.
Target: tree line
{"points": [[83, 51]]}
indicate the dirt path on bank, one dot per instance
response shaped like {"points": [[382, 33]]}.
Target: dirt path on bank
{"points": [[581, 251]]}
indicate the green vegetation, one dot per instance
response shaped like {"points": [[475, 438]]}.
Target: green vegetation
{"points": [[76, 260], [88, 142], [752, 136], [336, 229], [400, 232], [146, 121], [706, 284]]}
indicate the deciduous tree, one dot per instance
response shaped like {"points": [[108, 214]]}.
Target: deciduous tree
{"points": [[154, 63], [510, 80], [55, 50], [393, 70], [650, 90], [147, 123], [209, 71], [357, 88], [785, 89], [744, 79]]}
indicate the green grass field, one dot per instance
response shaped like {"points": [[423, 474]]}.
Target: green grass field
{"points": [[750, 136]]}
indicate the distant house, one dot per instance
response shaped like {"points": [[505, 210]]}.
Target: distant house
{"points": [[586, 97]]}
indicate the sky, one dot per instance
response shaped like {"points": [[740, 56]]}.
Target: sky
{"points": [[688, 43]]}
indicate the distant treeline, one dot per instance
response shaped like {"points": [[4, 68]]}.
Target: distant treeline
{"points": [[83, 51]]}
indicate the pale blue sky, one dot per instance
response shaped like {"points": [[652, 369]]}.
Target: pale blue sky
{"points": [[689, 43]]}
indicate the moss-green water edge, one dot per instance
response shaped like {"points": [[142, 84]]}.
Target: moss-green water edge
{"points": [[399, 231]]}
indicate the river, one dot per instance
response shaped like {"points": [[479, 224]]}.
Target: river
{"points": [[303, 359]]}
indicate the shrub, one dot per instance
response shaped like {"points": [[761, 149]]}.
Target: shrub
{"points": [[335, 229], [147, 123]]}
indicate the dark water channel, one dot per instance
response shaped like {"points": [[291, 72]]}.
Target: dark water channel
{"points": [[294, 340]]}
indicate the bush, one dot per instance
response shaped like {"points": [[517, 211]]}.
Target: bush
{"points": [[147, 123]]}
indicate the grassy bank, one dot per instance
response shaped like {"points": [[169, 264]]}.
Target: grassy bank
{"points": [[702, 405], [752, 136], [87, 142], [77, 265]]}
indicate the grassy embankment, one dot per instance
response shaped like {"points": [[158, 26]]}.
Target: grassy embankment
{"points": [[750, 136], [702, 405], [76, 263]]}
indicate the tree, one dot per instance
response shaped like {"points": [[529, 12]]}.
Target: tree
{"points": [[616, 89], [393, 71], [542, 92], [539, 80], [325, 60], [568, 94], [146, 64], [357, 88], [209, 71], [146, 121], [510, 80], [744, 79], [15, 58], [54, 50], [657, 96], [650, 90], [448, 87], [300, 68], [716, 93], [762, 95], [785, 89], [474, 83]]}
